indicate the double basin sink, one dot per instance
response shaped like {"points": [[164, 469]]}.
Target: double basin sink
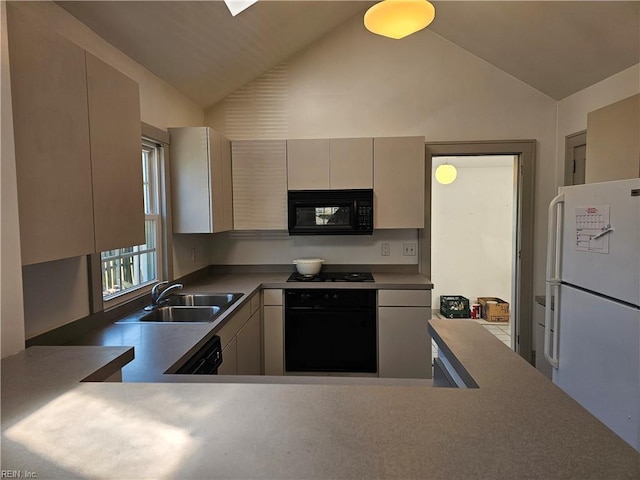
{"points": [[186, 308]]}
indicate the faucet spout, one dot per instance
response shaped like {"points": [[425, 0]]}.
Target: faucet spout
{"points": [[158, 294]]}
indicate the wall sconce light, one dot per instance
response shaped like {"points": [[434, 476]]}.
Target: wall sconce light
{"points": [[399, 18], [446, 174]]}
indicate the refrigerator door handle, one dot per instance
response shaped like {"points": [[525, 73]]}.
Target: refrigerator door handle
{"points": [[552, 284]]}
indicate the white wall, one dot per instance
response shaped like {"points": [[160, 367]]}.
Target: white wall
{"points": [[472, 229], [355, 84], [11, 302], [64, 283]]}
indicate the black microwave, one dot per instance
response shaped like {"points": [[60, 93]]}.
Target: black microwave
{"points": [[330, 212]]}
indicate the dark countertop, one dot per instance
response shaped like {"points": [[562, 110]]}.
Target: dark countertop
{"points": [[159, 346], [516, 425]]}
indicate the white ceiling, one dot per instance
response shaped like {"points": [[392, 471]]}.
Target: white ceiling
{"points": [[556, 47]]}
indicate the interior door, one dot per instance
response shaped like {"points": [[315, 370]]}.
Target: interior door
{"points": [[575, 158]]}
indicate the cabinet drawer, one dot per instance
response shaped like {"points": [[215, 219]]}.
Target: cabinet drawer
{"points": [[272, 297], [404, 298], [234, 324]]}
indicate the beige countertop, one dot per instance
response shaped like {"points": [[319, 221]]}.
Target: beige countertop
{"points": [[516, 424], [159, 346]]}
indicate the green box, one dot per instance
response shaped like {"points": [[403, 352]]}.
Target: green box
{"points": [[454, 306]]}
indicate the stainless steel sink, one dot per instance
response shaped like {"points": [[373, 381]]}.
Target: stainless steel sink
{"points": [[203, 299], [181, 314], [186, 308]]}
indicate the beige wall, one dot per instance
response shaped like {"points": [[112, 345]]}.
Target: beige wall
{"points": [[354, 84], [11, 302], [573, 110], [63, 284]]}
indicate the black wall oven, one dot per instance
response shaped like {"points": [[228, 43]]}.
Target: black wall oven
{"points": [[330, 212], [330, 331]]}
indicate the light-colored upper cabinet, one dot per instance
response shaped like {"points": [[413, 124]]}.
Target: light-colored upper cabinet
{"points": [[200, 180], [330, 164], [399, 182], [77, 137], [308, 164], [613, 142], [51, 129], [259, 184], [116, 169], [351, 163]]}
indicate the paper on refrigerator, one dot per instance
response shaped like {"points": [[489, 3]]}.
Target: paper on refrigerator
{"points": [[593, 228]]}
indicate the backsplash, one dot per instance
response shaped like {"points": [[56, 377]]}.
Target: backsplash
{"points": [[259, 248]]}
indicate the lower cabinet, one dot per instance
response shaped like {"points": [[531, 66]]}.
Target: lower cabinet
{"points": [[241, 341], [404, 345], [229, 358], [273, 332], [249, 346]]}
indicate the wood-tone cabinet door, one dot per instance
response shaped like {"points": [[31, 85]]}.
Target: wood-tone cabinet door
{"points": [[51, 129], [398, 182], [116, 157], [351, 163], [259, 184], [308, 164], [249, 346]]}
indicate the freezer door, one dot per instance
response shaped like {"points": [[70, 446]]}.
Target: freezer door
{"points": [[616, 273], [599, 359]]}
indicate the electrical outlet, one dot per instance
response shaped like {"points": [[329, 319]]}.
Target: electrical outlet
{"points": [[386, 250], [409, 249], [193, 255]]}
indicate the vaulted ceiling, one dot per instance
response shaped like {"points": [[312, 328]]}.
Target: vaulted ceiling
{"points": [[557, 47]]}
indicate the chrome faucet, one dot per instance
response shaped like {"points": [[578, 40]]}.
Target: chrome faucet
{"points": [[158, 295]]}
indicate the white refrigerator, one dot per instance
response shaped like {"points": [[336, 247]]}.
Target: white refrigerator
{"points": [[592, 336]]}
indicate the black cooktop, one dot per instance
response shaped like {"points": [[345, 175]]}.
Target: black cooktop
{"points": [[332, 277]]}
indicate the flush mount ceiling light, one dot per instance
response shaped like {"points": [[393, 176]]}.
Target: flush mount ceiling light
{"points": [[446, 174], [399, 18], [237, 6]]}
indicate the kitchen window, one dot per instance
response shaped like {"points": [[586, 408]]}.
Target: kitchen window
{"points": [[129, 269]]}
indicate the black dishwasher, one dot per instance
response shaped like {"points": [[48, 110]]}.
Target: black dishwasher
{"points": [[206, 361]]}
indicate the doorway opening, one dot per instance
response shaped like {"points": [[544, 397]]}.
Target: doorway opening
{"points": [[516, 246], [472, 233]]}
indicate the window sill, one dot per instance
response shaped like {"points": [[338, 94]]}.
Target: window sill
{"points": [[120, 299]]}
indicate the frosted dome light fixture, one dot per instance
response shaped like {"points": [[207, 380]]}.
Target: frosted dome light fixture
{"points": [[446, 174], [398, 18]]}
